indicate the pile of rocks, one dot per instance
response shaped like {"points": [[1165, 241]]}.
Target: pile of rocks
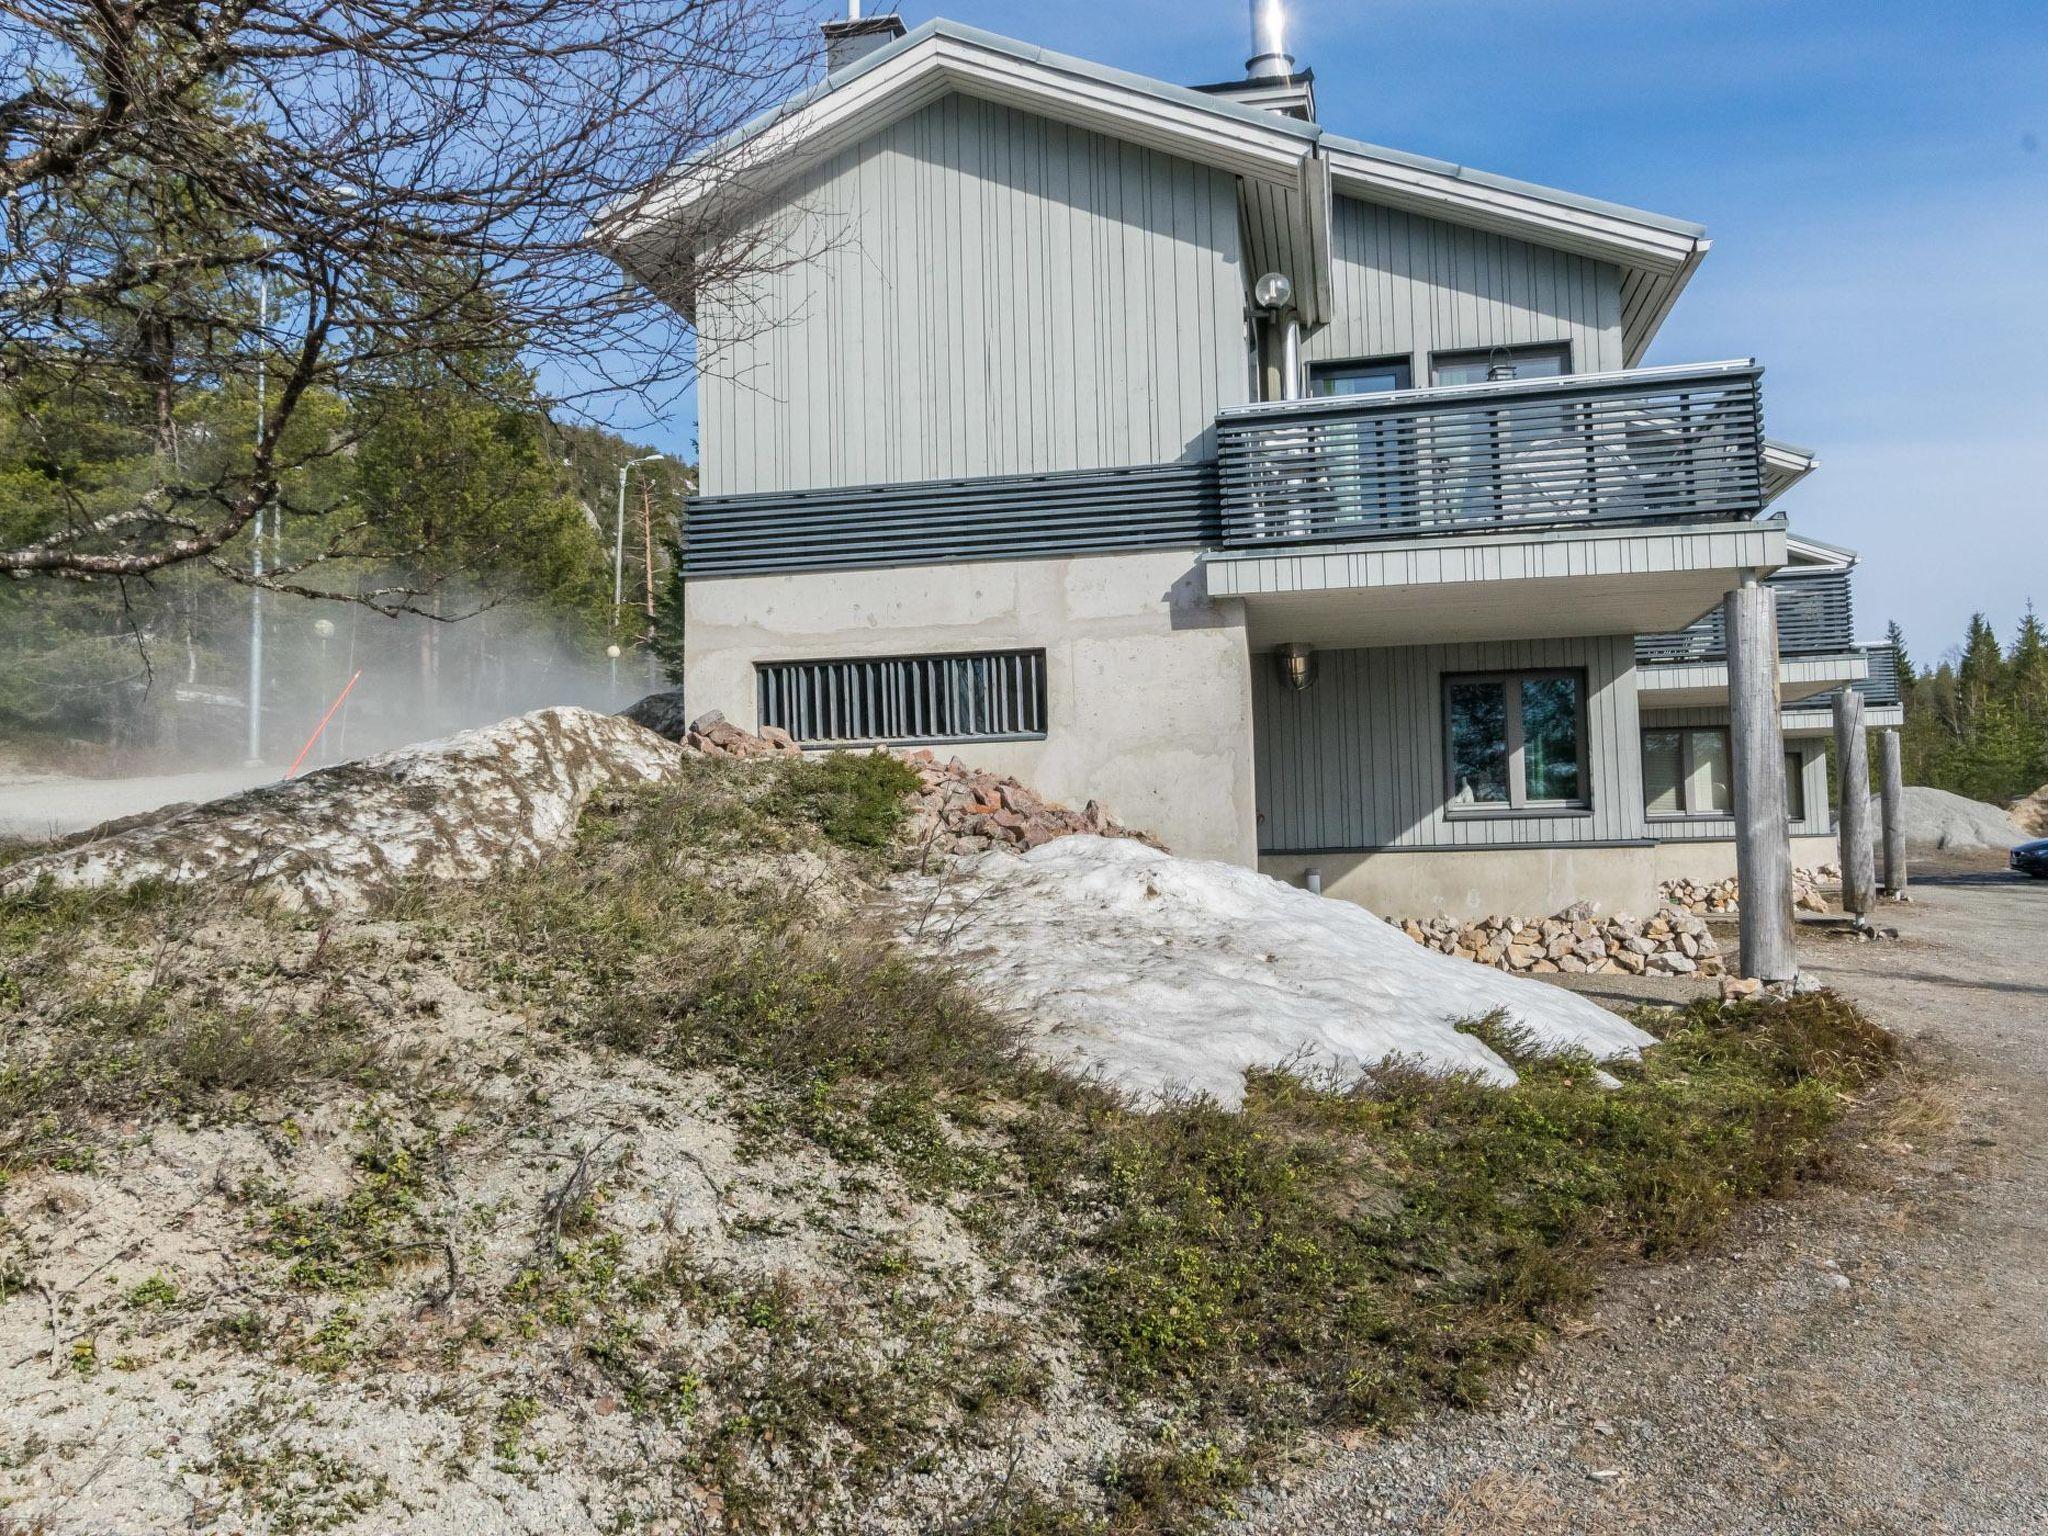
{"points": [[1578, 941], [954, 810], [715, 736], [958, 809], [1723, 898]]}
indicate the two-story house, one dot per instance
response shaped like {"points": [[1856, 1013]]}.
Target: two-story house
{"points": [[1303, 500]]}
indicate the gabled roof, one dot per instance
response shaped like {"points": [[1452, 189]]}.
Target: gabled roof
{"points": [[1805, 551], [1290, 168], [1785, 465]]}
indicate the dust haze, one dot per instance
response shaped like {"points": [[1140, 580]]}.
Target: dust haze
{"points": [[108, 698]]}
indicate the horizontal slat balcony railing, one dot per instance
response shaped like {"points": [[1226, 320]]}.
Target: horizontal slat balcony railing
{"points": [[1159, 506], [1881, 688], [1644, 446], [1815, 618]]}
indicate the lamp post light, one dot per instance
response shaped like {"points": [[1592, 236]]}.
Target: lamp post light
{"points": [[619, 534], [613, 652]]}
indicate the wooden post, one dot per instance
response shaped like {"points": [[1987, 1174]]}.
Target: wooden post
{"points": [[1892, 777], [1763, 845], [1852, 769]]}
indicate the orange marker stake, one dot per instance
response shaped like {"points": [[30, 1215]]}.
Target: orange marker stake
{"points": [[338, 698]]}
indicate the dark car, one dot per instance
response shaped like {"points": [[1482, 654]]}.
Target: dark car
{"points": [[2032, 859]]}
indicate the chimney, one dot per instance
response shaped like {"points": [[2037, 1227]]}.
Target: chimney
{"points": [[1270, 57], [857, 36]]}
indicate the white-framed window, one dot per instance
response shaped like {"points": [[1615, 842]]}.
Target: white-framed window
{"points": [[1515, 741], [1686, 771]]}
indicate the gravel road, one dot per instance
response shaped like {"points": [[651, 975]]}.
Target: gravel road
{"points": [[50, 805], [1870, 1356]]}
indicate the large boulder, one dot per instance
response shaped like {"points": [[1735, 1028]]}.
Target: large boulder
{"points": [[1937, 819], [661, 713], [498, 797]]}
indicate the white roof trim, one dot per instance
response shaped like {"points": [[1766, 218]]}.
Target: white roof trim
{"points": [[1809, 552], [1784, 467], [1606, 231], [939, 58], [1657, 254]]}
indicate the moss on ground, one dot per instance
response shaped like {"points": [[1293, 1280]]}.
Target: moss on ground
{"points": [[1329, 1256]]}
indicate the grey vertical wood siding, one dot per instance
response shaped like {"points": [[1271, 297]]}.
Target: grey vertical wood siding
{"points": [[1813, 764], [1408, 285], [1357, 761], [978, 291]]}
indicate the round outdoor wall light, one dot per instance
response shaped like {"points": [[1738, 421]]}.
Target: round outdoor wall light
{"points": [[1274, 291], [1297, 666]]}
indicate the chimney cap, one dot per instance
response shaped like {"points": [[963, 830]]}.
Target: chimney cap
{"points": [[855, 37]]}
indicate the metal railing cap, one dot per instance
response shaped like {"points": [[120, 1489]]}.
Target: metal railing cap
{"points": [[1671, 372]]}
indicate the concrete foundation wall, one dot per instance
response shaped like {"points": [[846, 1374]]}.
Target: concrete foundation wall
{"points": [[1478, 882], [1706, 861], [1148, 683]]}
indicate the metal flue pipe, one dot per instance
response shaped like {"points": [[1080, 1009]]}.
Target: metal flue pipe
{"points": [[1269, 41]]}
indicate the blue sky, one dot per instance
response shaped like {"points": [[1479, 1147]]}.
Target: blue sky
{"points": [[1874, 174]]}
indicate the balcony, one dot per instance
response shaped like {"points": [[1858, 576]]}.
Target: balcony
{"points": [[1817, 651], [1815, 618], [1883, 705], [1618, 503], [1656, 445]]}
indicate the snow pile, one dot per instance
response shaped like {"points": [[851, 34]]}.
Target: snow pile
{"points": [[1937, 819], [1165, 974], [493, 798]]}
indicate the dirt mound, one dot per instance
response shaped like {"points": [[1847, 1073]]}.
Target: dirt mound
{"points": [[459, 809], [2030, 812]]}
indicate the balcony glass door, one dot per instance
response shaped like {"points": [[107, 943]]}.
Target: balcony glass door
{"points": [[1370, 468], [1485, 463]]}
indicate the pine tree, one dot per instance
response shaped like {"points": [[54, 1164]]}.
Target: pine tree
{"points": [[1895, 637]]}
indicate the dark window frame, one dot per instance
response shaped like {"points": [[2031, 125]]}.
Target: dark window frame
{"points": [[1686, 769], [1795, 785], [1331, 367], [1486, 356], [927, 698], [1518, 804]]}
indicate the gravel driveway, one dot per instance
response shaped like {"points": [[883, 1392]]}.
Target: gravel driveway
{"points": [[1870, 1356]]}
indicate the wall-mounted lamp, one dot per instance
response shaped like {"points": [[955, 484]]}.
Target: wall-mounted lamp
{"points": [[1274, 291], [1297, 666]]}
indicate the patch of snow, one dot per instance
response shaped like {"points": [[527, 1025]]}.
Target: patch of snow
{"points": [[1936, 818], [1167, 975]]}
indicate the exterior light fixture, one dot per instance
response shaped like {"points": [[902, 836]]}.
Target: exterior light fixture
{"points": [[1274, 291], [1297, 666]]}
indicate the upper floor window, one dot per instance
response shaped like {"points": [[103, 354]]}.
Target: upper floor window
{"points": [[1515, 741], [980, 696], [1360, 376], [1483, 364]]}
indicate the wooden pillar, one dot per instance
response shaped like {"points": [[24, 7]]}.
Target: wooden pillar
{"points": [[1892, 778], [1763, 845], [1852, 769]]}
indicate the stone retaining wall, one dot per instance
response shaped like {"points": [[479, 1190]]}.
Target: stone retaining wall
{"points": [[1578, 941], [1724, 897]]}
